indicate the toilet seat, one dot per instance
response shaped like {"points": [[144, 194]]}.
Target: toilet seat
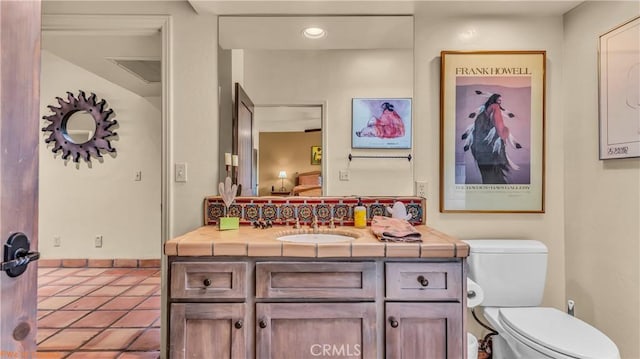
{"points": [[553, 332]]}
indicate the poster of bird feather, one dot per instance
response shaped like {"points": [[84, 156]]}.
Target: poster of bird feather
{"points": [[492, 123]]}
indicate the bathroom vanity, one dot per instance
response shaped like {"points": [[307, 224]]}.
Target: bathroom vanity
{"points": [[244, 294]]}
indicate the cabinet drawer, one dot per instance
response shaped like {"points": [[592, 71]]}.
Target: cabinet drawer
{"points": [[202, 280], [423, 281], [316, 280]]}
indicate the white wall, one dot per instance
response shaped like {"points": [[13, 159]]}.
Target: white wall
{"points": [[437, 33], [194, 129], [80, 201], [602, 197], [335, 77]]}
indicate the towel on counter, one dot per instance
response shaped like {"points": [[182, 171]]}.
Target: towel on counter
{"points": [[394, 230]]}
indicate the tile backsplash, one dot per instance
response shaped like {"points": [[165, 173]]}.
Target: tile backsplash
{"points": [[285, 210]]}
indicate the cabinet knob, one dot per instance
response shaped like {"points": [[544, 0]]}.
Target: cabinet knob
{"points": [[393, 321], [206, 282], [423, 281], [262, 324], [238, 324]]}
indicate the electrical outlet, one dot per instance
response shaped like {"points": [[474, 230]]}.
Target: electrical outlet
{"points": [[98, 241], [56, 241], [181, 172], [138, 176], [344, 175], [421, 189]]}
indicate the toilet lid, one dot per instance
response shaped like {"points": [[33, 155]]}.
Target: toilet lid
{"points": [[559, 332]]}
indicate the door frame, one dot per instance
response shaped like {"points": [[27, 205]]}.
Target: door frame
{"points": [[138, 25]]}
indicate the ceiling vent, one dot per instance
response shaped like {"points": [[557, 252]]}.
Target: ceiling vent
{"points": [[149, 71]]}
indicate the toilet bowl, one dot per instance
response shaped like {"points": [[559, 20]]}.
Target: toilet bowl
{"points": [[540, 332], [512, 275], [472, 347]]}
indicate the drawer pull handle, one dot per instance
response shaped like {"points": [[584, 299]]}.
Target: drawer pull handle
{"points": [[206, 282], [238, 324], [262, 324], [394, 322], [423, 281]]}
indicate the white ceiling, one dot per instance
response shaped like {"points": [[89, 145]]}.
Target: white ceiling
{"points": [[343, 32], [95, 53], [382, 7], [288, 118]]}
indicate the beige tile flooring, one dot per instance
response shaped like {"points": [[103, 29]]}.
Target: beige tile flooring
{"points": [[99, 313]]}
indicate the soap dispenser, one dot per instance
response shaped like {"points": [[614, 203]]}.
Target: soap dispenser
{"points": [[360, 215]]}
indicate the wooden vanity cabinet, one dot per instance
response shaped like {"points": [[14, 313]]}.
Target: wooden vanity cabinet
{"points": [[208, 331], [423, 330], [275, 309], [310, 330], [424, 310]]}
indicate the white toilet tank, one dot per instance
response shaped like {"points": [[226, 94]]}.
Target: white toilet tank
{"points": [[510, 272]]}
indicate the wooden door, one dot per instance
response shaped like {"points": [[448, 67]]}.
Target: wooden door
{"points": [[243, 142], [312, 330], [208, 331], [424, 330], [19, 136]]}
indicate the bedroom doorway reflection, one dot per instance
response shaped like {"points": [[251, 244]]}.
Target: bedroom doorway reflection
{"points": [[289, 150]]}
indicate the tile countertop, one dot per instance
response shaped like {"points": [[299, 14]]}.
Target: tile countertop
{"points": [[247, 241]]}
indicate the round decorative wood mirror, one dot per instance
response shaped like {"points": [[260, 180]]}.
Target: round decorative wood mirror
{"points": [[80, 127]]}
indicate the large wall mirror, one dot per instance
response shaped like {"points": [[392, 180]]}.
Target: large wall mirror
{"points": [[302, 89]]}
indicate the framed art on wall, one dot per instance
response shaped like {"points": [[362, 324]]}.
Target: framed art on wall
{"points": [[381, 123], [619, 90], [316, 155], [492, 106]]}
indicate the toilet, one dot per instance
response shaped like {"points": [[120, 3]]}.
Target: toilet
{"points": [[512, 276]]}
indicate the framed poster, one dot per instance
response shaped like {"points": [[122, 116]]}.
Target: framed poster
{"points": [[316, 155], [381, 123], [619, 90], [492, 131]]}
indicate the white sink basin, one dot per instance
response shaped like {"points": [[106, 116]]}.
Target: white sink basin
{"points": [[320, 237]]}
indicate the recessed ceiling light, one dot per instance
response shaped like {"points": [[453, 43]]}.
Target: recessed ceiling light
{"points": [[314, 33]]}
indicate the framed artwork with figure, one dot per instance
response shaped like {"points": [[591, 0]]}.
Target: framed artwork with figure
{"points": [[619, 81], [316, 155], [381, 123], [492, 107]]}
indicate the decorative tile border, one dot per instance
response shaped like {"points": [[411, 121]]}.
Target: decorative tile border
{"points": [[285, 210]]}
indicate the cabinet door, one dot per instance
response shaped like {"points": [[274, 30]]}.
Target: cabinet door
{"points": [[205, 330], [312, 330], [424, 330]]}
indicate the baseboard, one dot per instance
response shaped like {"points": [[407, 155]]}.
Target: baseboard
{"points": [[100, 263]]}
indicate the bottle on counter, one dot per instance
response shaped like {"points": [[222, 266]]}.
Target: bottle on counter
{"points": [[360, 215]]}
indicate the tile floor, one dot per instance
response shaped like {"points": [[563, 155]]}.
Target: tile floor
{"points": [[99, 313]]}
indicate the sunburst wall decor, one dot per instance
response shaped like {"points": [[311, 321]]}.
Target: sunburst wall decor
{"points": [[99, 141]]}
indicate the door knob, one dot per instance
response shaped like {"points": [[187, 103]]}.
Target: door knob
{"points": [[17, 255]]}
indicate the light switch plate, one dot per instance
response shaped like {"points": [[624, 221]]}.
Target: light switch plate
{"points": [[344, 175], [181, 172]]}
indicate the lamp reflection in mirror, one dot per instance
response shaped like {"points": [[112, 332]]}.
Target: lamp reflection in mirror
{"points": [[282, 175]]}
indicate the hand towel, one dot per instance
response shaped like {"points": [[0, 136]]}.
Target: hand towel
{"points": [[394, 230]]}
